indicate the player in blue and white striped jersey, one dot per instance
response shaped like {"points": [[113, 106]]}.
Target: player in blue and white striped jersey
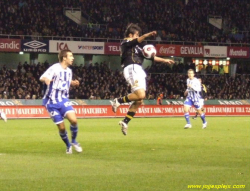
{"points": [[193, 99], [58, 79]]}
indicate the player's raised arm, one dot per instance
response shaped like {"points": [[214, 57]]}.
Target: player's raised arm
{"points": [[143, 37], [159, 59], [132, 35]]}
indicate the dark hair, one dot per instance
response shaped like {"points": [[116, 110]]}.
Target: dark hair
{"points": [[131, 29], [62, 53]]}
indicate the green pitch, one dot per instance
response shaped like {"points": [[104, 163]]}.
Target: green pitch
{"points": [[156, 155]]}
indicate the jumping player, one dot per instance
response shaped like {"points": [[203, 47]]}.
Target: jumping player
{"points": [[203, 94], [193, 99], [58, 79], [131, 62]]}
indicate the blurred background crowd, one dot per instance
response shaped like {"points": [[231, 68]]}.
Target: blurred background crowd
{"points": [[174, 20], [98, 81]]}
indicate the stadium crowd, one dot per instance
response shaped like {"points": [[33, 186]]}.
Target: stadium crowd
{"points": [[174, 20], [98, 81]]}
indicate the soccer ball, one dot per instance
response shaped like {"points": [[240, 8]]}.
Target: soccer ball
{"points": [[149, 51]]}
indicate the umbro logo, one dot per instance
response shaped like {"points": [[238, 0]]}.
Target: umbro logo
{"points": [[35, 44]]}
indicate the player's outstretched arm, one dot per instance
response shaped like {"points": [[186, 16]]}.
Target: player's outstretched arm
{"points": [[143, 37], [74, 83], [159, 59]]}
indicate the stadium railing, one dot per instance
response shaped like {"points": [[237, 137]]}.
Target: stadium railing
{"points": [[38, 37]]}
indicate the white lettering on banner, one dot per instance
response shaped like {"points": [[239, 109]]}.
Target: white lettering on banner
{"points": [[91, 110], [114, 48], [240, 52], [123, 110], [33, 50], [222, 102], [240, 110], [220, 109], [144, 110], [29, 111], [6, 103], [11, 45], [247, 109], [169, 50], [192, 50]]}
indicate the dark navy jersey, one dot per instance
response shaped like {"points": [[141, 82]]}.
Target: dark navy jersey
{"points": [[203, 91], [131, 52]]}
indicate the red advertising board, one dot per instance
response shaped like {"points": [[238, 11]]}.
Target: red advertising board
{"points": [[10, 45], [238, 52], [167, 50], [112, 48], [186, 50], [179, 50], [143, 111]]}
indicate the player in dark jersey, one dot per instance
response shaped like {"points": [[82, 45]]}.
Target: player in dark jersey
{"points": [[131, 62], [203, 94]]}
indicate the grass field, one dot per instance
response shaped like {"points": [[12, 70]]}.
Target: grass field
{"points": [[156, 155]]}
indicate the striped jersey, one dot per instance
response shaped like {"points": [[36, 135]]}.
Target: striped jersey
{"points": [[59, 85], [194, 92]]}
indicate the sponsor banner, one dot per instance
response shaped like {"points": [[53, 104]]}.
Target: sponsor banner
{"points": [[112, 48], [10, 45], [41, 46], [9, 102], [167, 50], [215, 51], [143, 111], [186, 50], [238, 52], [175, 110], [77, 47]]}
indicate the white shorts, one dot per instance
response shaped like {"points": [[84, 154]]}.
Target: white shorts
{"points": [[201, 102], [135, 77]]}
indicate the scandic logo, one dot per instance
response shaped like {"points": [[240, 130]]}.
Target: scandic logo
{"points": [[90, 47], [35, 44], [13, 45], [240, 52]]}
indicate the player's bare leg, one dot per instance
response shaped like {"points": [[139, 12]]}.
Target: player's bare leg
{"points": [[131, 113], [196, 114], [203, 118], [64, 136], [71, 116], [137, 95], [187, 117]]}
